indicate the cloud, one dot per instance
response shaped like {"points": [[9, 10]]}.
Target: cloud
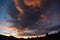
{"points": [[33, 3], [36, 20], [28, 21]]}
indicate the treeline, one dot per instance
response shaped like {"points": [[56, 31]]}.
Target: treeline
{"points": [[55, 36]]}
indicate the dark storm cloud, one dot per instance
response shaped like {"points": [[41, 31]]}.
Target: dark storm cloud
{"points": [[0, 1], [55, 28], [52, 10], [32, 18]]}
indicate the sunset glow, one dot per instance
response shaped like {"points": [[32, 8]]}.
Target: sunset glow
{"points": [[29, 18]]}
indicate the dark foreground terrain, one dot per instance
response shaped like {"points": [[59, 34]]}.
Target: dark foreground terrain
{"points": [[55, 36]]}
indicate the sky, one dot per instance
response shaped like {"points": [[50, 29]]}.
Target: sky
{"points": [[26, 17]]}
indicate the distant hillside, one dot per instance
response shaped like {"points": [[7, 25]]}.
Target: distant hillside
{"points": [[47, 37]]}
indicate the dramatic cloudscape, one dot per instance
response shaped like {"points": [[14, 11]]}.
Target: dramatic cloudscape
{"points": [[23, 18]]}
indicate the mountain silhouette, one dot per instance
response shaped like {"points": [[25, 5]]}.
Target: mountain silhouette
{"points": [[55, 36]]}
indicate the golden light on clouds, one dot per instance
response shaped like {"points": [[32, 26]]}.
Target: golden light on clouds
{"points": [[26, 37], [28, 18], [32, 3], [12, 28], [21, 32], [7, 33]]}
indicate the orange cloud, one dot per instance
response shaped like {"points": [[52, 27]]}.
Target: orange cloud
{"points": [[19, 8], [21, 31], [32, 3], [12, 28], [44, 17]]}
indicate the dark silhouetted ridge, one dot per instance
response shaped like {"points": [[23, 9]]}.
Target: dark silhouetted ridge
{"points": [[55, 36]]}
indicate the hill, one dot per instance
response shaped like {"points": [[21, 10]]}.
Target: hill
{"points": [[55, 36]]}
